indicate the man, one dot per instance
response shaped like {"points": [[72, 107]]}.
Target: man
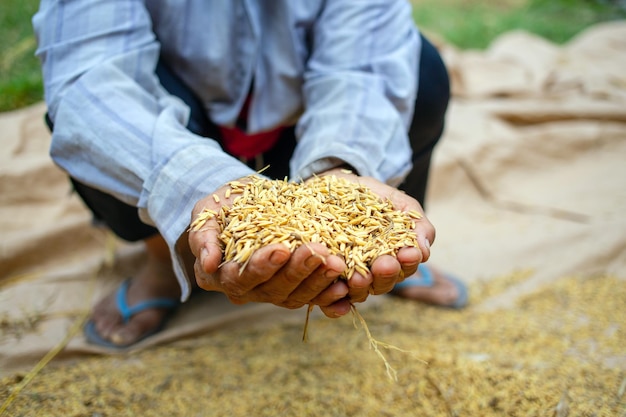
{"points": [[156, 105]]}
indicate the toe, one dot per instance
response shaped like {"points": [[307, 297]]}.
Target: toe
{"points": [[141, 325]]}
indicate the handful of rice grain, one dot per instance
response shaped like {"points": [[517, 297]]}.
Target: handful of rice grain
{"points": [[348, 218]]}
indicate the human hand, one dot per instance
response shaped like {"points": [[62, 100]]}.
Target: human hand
{"points": [[273, 274], [387, 270]]}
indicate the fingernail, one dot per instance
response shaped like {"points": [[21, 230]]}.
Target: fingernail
{"points": [[311, 261], [278, 257], [331, 274]]}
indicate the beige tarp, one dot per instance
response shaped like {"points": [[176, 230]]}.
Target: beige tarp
{"points": [[530, 175]]}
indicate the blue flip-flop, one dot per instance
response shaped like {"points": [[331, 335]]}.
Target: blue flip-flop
{"points": [[427, 279], [127, 313]]}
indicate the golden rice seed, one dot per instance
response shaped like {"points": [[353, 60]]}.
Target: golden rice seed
{"points": [[216, 198], [201, 219], [349, 272], [245, 254], [229, 246], [363, 271], [236, 184], [414, 214], [329, 211]]}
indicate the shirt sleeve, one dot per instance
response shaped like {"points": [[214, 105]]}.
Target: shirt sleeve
{"points": [[116, 128], [360, 88]]}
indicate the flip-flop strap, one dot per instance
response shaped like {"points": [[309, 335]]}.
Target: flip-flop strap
{"points": [[127, 312], [425, 279]]}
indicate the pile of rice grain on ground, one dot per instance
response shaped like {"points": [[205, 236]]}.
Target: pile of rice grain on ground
{"points": [[347, 217], [558, 352]]}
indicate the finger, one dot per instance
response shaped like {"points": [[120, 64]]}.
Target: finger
{"points": [[386, 271], [205, 233], [425, 233], [319, 280], [303, 262], [359, 286], [208, 282], [335, 292], [339, 308], [205, 245], [238, 281], [409, 258]]}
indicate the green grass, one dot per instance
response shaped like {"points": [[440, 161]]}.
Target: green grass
{"points": [[20, 76], [474, 24], [465, 23]]}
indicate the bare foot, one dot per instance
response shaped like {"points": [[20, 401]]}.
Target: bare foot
{"points": [[155, 280], [443, 292]]}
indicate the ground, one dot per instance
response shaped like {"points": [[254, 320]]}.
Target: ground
{"points": [[555, 352]]}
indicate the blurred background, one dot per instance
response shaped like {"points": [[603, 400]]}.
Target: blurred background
{"points": [[463, 23]]}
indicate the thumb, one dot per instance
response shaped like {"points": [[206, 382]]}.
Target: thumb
{"points": [[205, 245], [210, 256]]}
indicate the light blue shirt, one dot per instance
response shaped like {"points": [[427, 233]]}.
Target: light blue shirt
{"points": [[344, 72]]}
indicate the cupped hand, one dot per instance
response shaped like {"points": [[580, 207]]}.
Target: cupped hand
{"points": [[386, 270], [273, 274]]}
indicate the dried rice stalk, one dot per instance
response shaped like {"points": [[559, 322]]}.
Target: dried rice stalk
{"points": [[348, 218]]}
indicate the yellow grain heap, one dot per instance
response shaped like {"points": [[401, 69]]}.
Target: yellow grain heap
{"points": [[348, 218]]}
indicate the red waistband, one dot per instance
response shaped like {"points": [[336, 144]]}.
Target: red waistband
{"points": [[238, 143]]}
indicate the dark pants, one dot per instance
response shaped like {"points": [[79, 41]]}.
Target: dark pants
{"points": [[424, 133]]}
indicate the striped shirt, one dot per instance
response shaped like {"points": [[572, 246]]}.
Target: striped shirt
{"points": [[344, 72]]}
